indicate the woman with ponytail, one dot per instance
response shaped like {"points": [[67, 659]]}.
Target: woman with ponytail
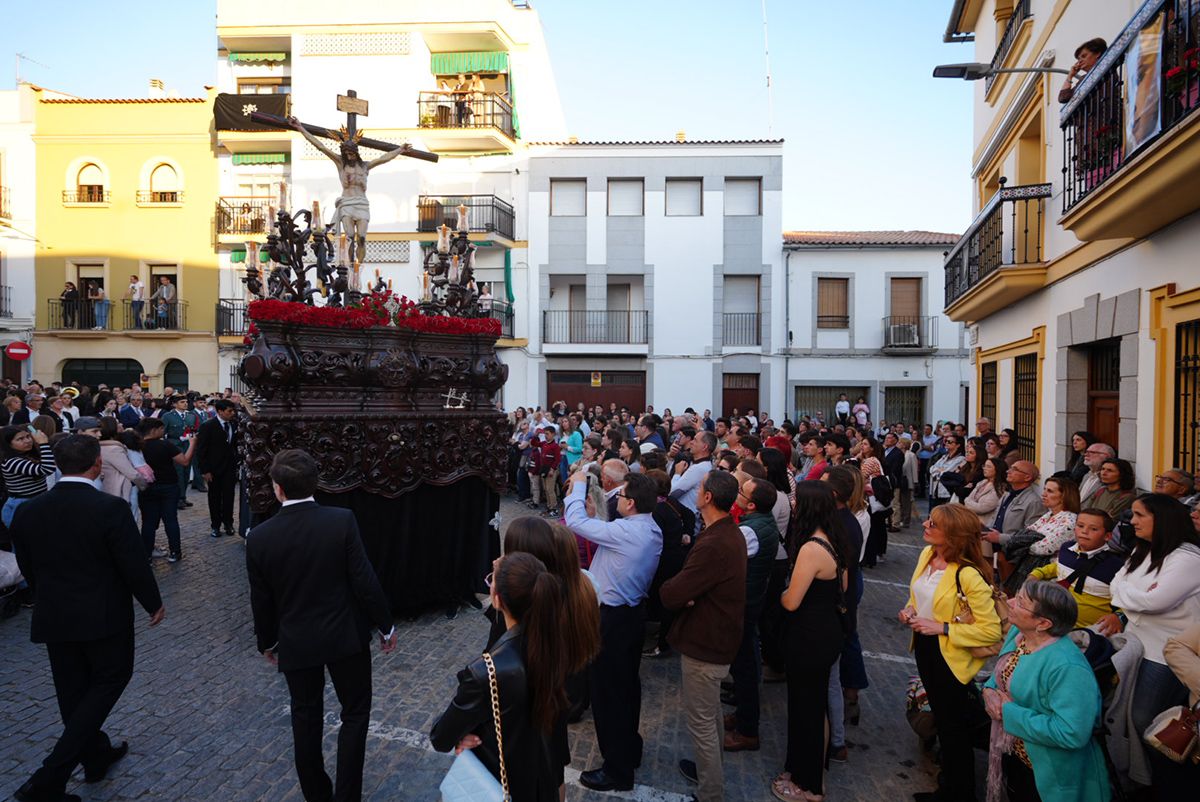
{"points": [[531, 671]]}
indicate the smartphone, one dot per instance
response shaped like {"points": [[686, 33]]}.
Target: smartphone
{"points": [[30, 428]]}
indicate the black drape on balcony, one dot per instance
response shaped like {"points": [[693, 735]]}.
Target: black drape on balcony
{"points": [[232, 112], [431, 547]]}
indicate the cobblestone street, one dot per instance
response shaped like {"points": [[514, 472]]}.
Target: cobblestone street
{"points": [[206, 716]]}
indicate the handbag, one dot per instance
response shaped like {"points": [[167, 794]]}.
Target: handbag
{"points": [[1174, 733], [965, 615], [468, 779]]}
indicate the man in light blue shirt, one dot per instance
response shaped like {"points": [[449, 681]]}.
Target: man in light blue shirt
{"points": [[685, 484], [623, 566]]}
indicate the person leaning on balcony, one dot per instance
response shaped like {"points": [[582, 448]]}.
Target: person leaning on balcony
{"points": [[136, 295], [1086, 56], [164, 299]]}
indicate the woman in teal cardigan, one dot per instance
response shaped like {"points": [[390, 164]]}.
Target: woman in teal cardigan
{"points": [[1046, 704]]}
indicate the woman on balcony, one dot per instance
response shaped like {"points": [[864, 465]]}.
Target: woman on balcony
{"points": [[99, 304], [69, 299]]}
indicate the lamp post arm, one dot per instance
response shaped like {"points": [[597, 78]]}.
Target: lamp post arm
{"points": [[1031, 69]]}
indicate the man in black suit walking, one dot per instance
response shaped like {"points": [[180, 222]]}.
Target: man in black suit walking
{"points": [[81, 552], [315, 600], [216, 456], [893, 469]]}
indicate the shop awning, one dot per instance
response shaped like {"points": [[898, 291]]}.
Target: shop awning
{"points": [[258, 57], [260, 158], [238, 256], [454, 63]]}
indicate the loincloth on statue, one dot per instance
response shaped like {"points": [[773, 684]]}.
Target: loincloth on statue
{"points": [[354, 207]]}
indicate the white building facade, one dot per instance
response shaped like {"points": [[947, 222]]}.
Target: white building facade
{"points": [[1080, 277], [864, 318], [654, 271], [18, 223], [405, 61]]}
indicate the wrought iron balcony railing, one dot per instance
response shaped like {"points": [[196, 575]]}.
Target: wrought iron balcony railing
{"points": [[244, 215], [153, 315], [465, 110], [599, 327], [81, 315], [1007, 232], [151, 196], [500, 310], [485, 213], [87, 195], [231, 318], [742, 328], [909, 333], [6, 309], [1020, 13], [1097, 138]]}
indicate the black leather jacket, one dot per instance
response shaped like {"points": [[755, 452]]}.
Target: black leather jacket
{"points": [[531, 777]]}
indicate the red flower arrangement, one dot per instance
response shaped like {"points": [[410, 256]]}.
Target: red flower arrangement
{"points": [[372, 312]]}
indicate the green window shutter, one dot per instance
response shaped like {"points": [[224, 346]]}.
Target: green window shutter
{"points": [[454, 63], [237, 257], [251, 57]]}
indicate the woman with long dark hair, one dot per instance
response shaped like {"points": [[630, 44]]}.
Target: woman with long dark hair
{"points": [[1158, 593], [25, 461], [1079, 444], [1009, 448], [1116, 492], [580, 617], [817, 625], [531, 669]]}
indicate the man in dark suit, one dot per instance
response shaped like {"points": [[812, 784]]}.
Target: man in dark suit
{"points": [[216, 456], [81, 552], [132, 413], [315, 600]]}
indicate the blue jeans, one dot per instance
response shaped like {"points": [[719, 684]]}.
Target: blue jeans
{"points": [[1157, 689], [102, 314], [10, 509], [135, 311], [853, 671], [160, 502]]}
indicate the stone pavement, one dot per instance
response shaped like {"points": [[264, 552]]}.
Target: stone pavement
{"points": [[206, 716]]}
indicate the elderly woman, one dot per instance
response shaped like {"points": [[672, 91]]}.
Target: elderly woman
{"points": [[949, 463], [1036, 544], [942, 641], [1045, 704]]}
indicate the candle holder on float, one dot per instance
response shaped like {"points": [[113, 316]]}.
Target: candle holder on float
{"points": [[448, 281], [297, 245]]}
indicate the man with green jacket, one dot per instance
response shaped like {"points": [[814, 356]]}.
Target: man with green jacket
{"points": [[181, 424]]}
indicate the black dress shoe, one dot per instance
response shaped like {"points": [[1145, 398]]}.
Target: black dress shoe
{"points": [[94, 774], [598, 780], [688, 769], [27, 793]]}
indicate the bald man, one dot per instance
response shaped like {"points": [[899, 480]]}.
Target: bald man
{"points": [[1021, 505]]}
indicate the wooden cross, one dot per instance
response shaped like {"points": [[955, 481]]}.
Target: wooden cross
{"points": [[353, 105]]}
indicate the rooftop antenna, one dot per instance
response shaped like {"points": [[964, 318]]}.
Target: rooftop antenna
{"points": [[22, 57], [767, 56]]}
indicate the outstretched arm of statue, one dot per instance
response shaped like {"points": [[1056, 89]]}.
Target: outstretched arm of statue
{"points": [[315, 142], [387, 157]]}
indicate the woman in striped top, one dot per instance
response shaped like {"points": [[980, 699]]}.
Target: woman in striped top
{"points": [[27, 461]]}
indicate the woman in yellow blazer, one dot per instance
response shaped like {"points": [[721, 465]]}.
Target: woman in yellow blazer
{"points": [[942, 644]]}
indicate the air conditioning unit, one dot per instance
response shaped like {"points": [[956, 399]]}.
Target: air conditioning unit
{"points": [[903, 334]]}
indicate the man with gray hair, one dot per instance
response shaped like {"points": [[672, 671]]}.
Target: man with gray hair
{"points": [[685, 484], [612, 479], [1021, 505], [1093, 458], [1176, 483]]}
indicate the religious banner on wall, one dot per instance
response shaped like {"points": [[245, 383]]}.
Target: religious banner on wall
{"points": [[1143, 71], [232, 112]]}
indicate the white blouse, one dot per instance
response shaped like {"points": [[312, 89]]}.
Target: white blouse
{"points": [[923, 588], [1162, 604]]}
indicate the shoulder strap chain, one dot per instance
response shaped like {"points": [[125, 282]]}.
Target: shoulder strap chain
{"points": [[495, 694]]}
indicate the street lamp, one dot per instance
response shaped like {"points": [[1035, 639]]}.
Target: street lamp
{"points": [[973, 71]]}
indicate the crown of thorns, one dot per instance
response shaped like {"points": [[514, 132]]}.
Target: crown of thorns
{"points": [[344, 136]]}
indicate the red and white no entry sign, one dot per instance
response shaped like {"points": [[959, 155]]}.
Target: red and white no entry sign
{"points": [[18, 351]]}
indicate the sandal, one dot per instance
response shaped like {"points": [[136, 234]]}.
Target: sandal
{"points": [[787, 791]]}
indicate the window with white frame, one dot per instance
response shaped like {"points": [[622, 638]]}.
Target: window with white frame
{"points": [[743, 197], [625, 197], [568, 197], [684, 197]]}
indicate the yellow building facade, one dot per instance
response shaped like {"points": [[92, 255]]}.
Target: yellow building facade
{"points": [[126, 187]]}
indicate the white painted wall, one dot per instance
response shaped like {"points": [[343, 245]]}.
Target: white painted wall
{"points": [[18, 174]]}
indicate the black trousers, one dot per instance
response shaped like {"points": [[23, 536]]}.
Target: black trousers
{"points": [[351, 678], [1018, 781], [617, 689], [953, 705], [220, 499], [89, 678]]}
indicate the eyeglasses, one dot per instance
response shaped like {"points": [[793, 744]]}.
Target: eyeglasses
{"points": [[487, 580], [620, 495], [1163, 479]]}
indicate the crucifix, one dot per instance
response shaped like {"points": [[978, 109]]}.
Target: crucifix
{"points": [[352, 212]]}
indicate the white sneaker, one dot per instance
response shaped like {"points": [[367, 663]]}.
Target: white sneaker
{"points": [[156, 553]]}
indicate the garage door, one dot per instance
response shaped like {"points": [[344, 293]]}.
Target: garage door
{"points": [[811, 400], [627, 388]]}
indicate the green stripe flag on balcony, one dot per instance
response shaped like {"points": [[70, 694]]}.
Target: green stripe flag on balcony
{"points": [[454, 63]]}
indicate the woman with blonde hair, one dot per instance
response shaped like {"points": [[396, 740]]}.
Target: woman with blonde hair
{"points": [[945, 635]]}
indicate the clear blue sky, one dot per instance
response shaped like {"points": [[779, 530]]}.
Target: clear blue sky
{"points": [[873, 142]]}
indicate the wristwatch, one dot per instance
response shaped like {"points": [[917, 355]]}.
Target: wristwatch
{"points": [[946, 629]]}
